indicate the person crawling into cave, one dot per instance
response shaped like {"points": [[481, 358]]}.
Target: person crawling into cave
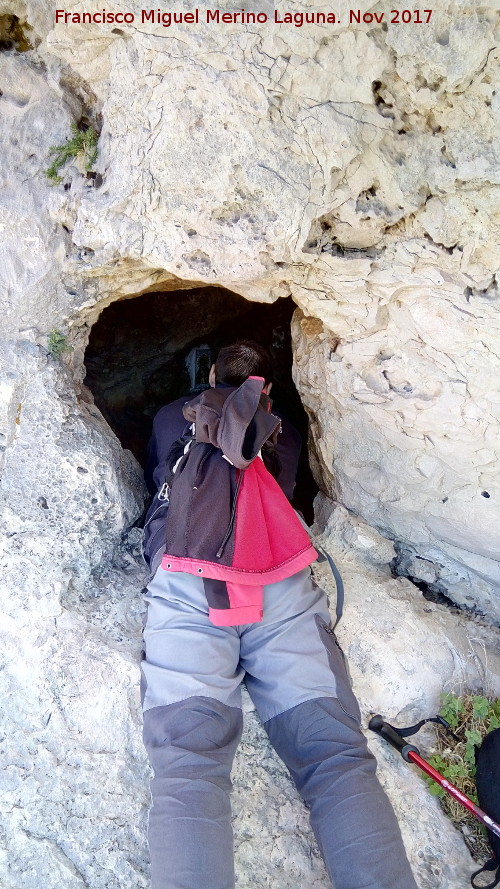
{"points": [[231, 597]]}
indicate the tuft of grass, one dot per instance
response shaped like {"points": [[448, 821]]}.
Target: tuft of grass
{"points": [[57, 344], [470, 717], [14, 34], [82, 145]]}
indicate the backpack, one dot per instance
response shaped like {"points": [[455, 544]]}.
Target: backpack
{"points": [[204, 496], [488, 794], [228, 520]]}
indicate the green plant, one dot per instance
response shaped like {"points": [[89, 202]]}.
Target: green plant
{"points": [[82, 145], [470, 717], [57, 344]]}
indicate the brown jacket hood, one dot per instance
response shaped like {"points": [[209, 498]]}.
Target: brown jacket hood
{"points": [[236, 420]]}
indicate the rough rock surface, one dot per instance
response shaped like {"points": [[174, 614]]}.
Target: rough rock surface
{"points": [[403, 652], [354, 166]]}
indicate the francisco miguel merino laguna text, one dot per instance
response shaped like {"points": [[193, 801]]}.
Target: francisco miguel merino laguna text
{"points": [[208, 16], [217, 17]]}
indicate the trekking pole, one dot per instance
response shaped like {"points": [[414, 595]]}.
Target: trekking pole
{"points": [[410, 753]]}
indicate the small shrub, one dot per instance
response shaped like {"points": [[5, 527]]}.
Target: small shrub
{"points": [[82, 145], [470, 717], [57, 344]]}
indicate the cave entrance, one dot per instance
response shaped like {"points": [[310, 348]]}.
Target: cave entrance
{"points": [[146, 351]]}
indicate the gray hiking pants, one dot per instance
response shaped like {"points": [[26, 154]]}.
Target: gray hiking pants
{"points": [[295, 673]]}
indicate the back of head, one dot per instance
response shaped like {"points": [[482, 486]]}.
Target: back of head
{"points": [[240, 360]]}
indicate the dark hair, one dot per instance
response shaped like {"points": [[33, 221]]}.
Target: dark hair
{"points": [[240, 360]]}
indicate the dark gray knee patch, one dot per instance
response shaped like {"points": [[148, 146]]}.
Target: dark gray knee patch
{"points": [[179, 736]]}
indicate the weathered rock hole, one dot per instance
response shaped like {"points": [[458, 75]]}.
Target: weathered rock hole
{"points": [[376, 86], [322, 237], [16, 34], [84, 103], [445, 247], [146, 351], [365, 200], [432, 591], [434, 85], [489, 293], [424, 576], [384, 107], [449, 159]]}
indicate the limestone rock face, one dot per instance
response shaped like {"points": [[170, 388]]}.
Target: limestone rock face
{"points": [[354, 166], [34, 118], [70, 721], [408, 434]]}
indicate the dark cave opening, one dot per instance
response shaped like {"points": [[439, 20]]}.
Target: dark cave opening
{"points": [[146, 351]]}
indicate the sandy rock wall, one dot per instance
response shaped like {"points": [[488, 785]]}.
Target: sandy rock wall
{"points": [[354, 167]]}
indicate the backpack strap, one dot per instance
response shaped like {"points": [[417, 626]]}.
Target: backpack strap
{"points": [[490, 865], [413, 729], [160, 503], [177, 450], [323, 556]]}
